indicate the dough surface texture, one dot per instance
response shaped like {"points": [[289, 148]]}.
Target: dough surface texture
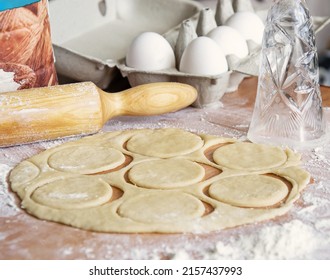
{"points": [[86, 159], [249, 190], [249, 156], [166, 173], [159, 181]]}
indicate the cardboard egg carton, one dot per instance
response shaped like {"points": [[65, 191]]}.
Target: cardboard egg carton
{"points": [[91, 37], [210, 88]]}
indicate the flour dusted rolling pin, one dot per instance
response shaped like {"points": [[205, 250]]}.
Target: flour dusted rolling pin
{"points": [[65, 110]]}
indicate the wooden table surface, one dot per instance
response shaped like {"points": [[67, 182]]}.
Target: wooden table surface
{"points": [[25, 237], [249, 88], [325, 91]]}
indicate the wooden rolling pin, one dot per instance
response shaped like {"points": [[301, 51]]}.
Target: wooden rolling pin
{"points": [[53, 112]]}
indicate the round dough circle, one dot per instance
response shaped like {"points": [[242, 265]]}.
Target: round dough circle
{"points": [[166, 173], [86, 159], [162, 207], [165, 143], [249, 191], [73, 193], [249, 156]]}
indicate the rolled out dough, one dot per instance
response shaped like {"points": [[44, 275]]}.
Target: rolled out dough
{"points": [[166, 173], [163, 186]]}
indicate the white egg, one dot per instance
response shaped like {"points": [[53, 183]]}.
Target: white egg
{"points": [[150, 51], [248, 24], [203, 56], [230, 41]]}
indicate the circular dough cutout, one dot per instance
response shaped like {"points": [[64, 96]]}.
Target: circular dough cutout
{"points": [[249, 191], [249, 156], [165, 143], [166, 173], [86, 159], [73, 193], [162, 207]]}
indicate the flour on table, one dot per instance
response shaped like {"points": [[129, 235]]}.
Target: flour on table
{"points": [[7, 204], [288, 241], [181, 255], [291, 240], [323, 223], [7, 82]]}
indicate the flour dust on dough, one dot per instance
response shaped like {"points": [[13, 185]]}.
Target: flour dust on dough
{"points": [[162, 180], [73, 193], [165, 207], [249, 190], [86, 159], [165, 143], [166, 173], [249, 156]]}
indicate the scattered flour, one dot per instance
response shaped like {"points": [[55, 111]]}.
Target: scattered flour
{"points": [[323, 223], [70, 196], [67, 251], [8, 206], [292, 240], [7, 82], [181, 255]]}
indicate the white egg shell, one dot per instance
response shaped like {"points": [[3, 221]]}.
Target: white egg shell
{"points": [[150, 51], [203, 56], [230, 41], [248, 24]]}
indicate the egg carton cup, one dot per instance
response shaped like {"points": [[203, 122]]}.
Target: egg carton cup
{"points": [[210, 88]]}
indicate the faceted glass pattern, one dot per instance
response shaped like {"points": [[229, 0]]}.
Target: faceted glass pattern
{"points": [[288, 108]]}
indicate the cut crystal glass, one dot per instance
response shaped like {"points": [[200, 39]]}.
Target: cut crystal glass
{"points": [[288, 108]]}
